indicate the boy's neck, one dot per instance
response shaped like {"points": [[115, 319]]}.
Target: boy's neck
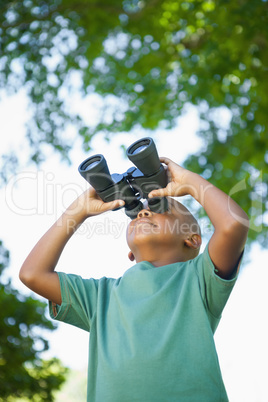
{"points": [[159, 257]]}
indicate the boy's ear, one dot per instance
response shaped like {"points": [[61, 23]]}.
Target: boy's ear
{"points": [[131, 256], [194, 241]]}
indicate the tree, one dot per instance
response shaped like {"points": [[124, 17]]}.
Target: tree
{"points": [[23, 374], [147, 60]]}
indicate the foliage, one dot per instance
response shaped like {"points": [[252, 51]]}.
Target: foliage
{"points": [[23, 374], [148, 59]]}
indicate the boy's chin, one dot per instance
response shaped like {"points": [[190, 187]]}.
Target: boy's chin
{"points": [[142, 240]]}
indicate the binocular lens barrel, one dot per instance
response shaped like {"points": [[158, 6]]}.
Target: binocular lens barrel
{"points": [[144, 155], [96, 172]]}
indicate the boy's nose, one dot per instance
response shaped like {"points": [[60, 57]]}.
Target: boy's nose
{"points": [[144, 213]]}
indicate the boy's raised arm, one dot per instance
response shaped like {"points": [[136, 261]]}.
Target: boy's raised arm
{"points": [[229, 220], [37, 271]]}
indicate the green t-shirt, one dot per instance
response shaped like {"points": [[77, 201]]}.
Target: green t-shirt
{"points": [[151, 331]]}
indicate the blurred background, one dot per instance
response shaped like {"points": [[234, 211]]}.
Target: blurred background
{"points": [[83, 77]]}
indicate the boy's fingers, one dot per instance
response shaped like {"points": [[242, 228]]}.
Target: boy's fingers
{"points": [[114, 204], [165, 160]]}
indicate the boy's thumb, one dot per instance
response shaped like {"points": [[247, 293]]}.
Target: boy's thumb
{"points": [[115, 204], [161, 192]]}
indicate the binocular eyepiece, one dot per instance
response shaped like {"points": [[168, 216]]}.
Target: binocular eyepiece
{"points": [[133, 185]]}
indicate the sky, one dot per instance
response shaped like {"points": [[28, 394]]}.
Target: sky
{"points": [[34, 198]]}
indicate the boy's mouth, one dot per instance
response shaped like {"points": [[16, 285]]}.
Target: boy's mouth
{"points": [[144, 221]]}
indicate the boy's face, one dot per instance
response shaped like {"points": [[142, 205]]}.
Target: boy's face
{"points": [[170, 228]]}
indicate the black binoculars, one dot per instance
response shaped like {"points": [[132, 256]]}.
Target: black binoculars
{"points": [[133, 185]]}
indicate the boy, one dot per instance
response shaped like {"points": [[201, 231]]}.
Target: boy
{"points": [[151, 331]]}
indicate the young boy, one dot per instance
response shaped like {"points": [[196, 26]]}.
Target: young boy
{"points": [[151, 331]]}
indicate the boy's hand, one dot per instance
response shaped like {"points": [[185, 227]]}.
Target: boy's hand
{"points": [[90, 204], [178, 181], [229, 221]]}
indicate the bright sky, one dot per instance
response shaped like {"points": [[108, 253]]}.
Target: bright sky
{"points": [[32, 201]]}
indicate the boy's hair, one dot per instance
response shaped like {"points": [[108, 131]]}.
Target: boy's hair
{"points": [[186, 223], [186, 217]]}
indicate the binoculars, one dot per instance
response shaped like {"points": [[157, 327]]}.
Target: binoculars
{"points": [[133, 185]]}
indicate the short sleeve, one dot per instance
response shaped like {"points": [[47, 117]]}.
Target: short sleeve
{"points": [[215, 291], [79, 301]]}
